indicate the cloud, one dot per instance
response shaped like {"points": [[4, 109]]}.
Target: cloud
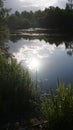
{"points": [[33, 5]]}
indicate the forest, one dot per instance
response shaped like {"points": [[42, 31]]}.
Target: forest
{"points": [[21, 104], [51, 18]]}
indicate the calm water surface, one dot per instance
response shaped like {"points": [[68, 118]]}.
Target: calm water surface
{"points": [[47, 60]]}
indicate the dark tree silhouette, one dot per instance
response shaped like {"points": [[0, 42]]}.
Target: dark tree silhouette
{"points": [[69, 4]]}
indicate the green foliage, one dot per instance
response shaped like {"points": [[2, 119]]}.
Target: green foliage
{"points": [[17, 22], [4, 33], [1, 4], [52, 17], [17, 92], [58, 109]]}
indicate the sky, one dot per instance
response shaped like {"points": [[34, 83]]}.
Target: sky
{"points": [[33, 5]]}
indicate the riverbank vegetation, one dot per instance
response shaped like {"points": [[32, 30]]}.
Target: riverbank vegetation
{"points": [[17, 92], [58, 108], [18, 95]]}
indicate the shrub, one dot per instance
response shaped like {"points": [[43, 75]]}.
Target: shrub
{"points": [[17, 97], [58, 109]]}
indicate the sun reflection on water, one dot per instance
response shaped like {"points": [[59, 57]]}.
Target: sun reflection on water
{"points": [[33, 63]]}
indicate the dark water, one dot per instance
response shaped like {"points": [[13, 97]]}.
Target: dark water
{"points": [[48, 59]]}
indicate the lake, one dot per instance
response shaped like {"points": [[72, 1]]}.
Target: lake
{"points": [[48, 58]]}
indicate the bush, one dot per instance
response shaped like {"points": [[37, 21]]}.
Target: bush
{"points": [[17, 97], [58, 109]]}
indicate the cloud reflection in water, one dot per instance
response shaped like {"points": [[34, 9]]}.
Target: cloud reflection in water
{"points": [[32, 53], [51, 61]]}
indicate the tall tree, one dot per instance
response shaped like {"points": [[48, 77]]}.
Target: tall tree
{"points": [[69, 4], [3, 28]]}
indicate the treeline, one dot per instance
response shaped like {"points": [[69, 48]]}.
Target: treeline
{"points": [[3, 25], [52, 17]]}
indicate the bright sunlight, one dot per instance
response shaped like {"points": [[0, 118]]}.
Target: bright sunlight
{"points": [[33, 63]]}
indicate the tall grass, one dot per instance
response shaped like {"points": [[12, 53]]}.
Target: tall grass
{"points": [[58, 108], [17, 92]]}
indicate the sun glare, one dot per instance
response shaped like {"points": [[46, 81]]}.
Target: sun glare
{"points": [[33, 64]]}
